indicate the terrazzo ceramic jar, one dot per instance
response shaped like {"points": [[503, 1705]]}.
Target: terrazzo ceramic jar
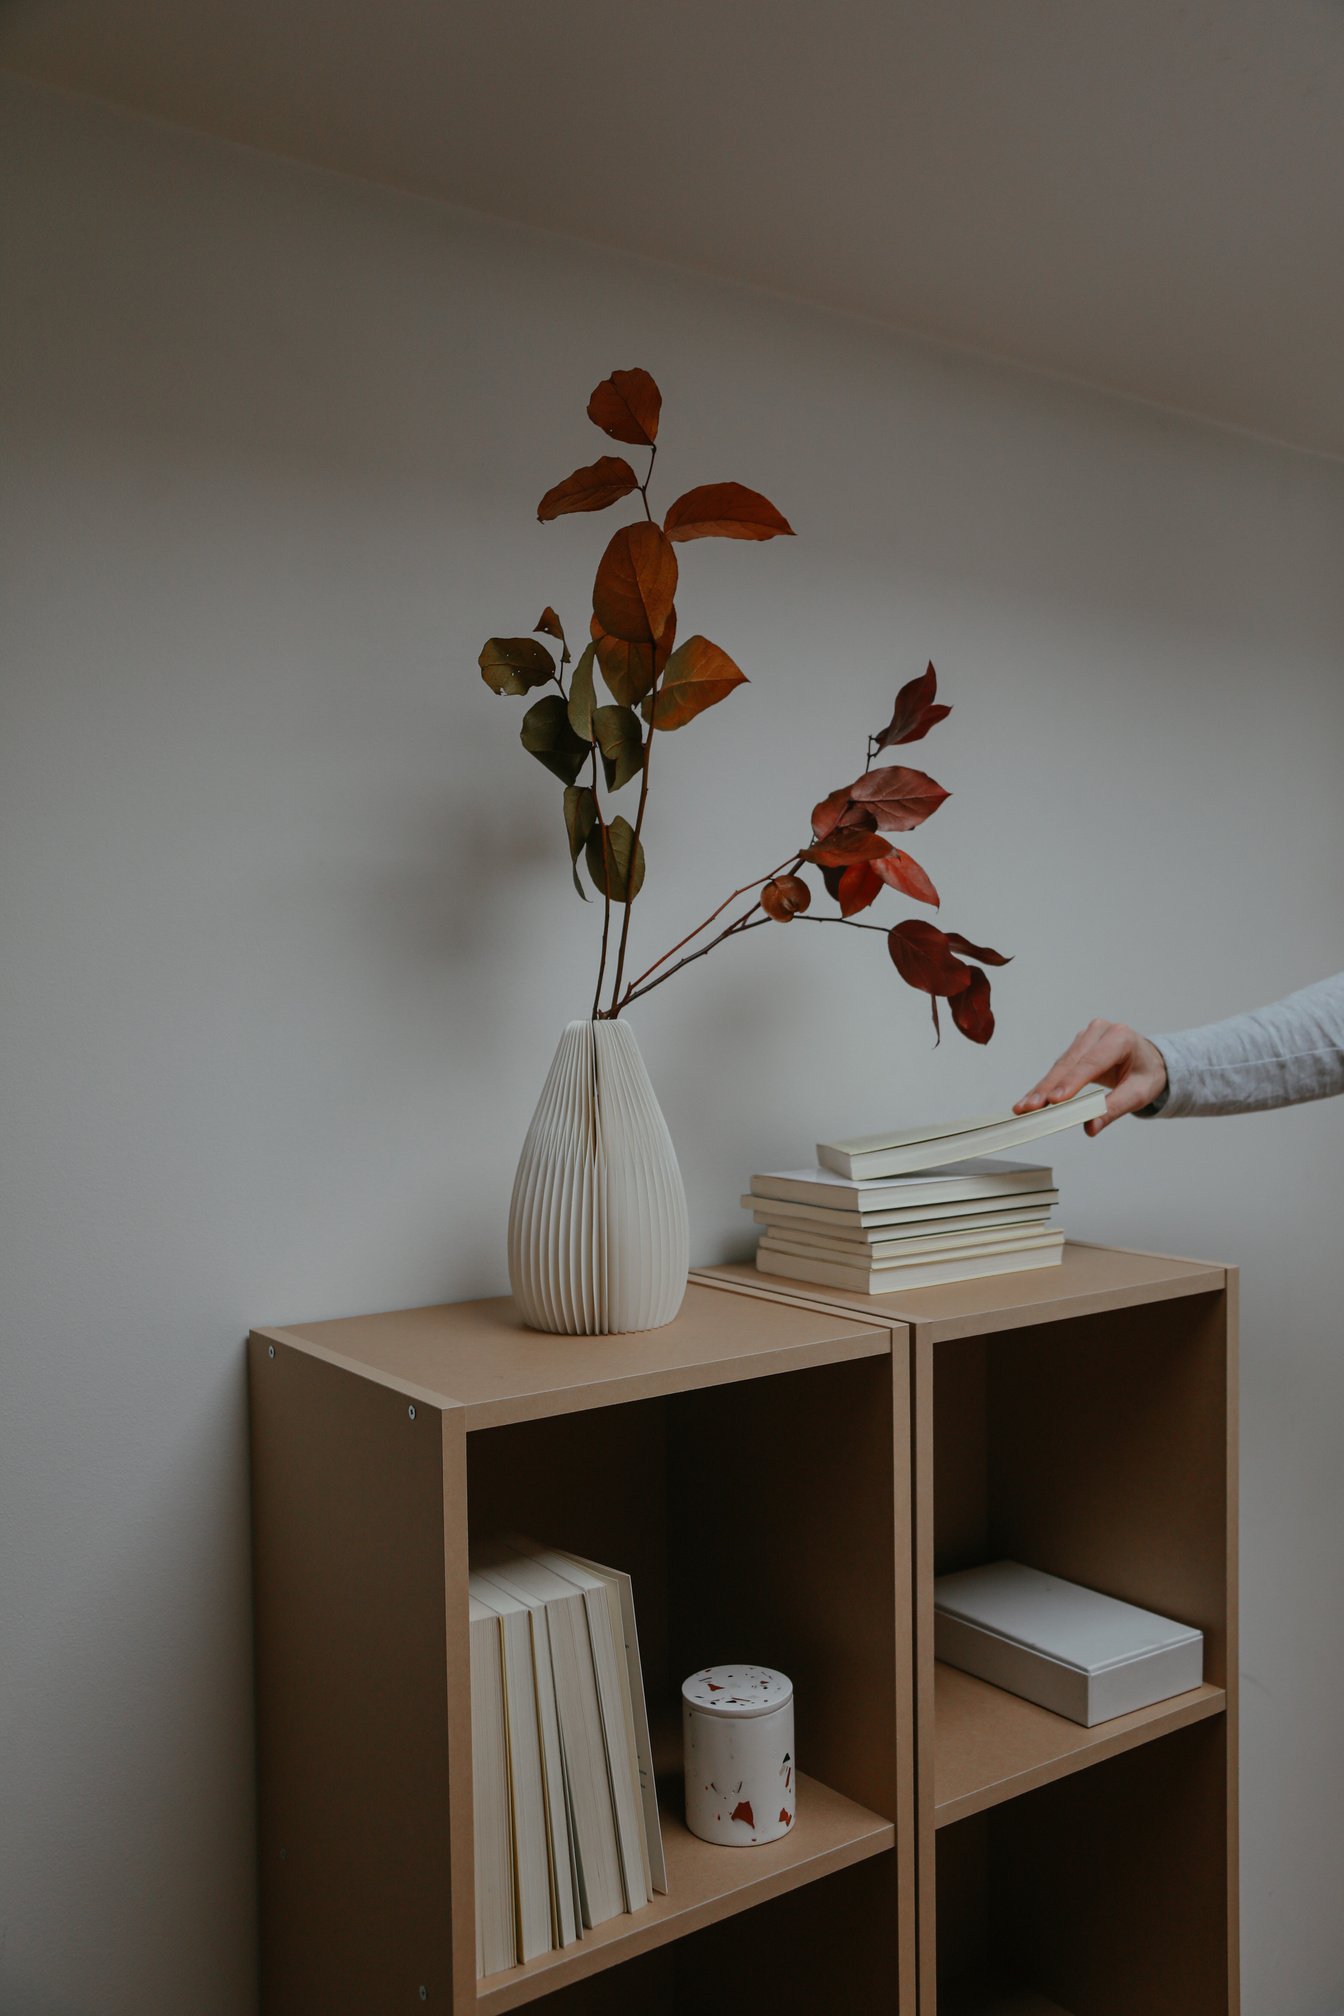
{"points": [[737, 1731]]}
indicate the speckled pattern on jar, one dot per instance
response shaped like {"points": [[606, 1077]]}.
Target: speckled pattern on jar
{"points": [[737, 1730]]}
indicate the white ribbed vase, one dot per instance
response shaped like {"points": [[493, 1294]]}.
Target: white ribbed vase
{"points": [[598, 1240]]}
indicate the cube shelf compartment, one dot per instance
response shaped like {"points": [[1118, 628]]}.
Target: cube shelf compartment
{"points": [[1081, 1418], [749, 1465]]}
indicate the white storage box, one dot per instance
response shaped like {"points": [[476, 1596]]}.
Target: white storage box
{"points": [[1069, 1649]]}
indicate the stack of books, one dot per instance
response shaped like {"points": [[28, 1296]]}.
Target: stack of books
{"points": [[566, 1811], [917, 1207]]}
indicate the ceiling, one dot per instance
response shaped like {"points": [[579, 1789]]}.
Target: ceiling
{"points": [[1144, 194]]}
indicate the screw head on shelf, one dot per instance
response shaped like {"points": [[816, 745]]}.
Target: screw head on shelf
{"points": [[270, 1350], [410, 1413], [424, 1994]]}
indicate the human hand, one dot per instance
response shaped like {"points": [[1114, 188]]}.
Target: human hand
{"points": [[1105, 1053]]}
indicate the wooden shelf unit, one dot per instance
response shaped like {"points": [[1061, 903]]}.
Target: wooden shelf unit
{"points": [[1081, 1418], [749, 1465]]}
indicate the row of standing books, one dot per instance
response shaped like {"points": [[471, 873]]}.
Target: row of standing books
{"points": [[912, 1208], [566, 1813]]}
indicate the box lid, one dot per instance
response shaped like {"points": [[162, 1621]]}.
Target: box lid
{"points": [[1063, 1621]]}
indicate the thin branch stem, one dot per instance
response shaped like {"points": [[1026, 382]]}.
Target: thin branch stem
{"points": [[746, 922], [644, 486], [606, 890], [614, 1008], [791, 863], [852, 922]]}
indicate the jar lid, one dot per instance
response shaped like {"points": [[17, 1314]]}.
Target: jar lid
{"points": [[737, 1690]]}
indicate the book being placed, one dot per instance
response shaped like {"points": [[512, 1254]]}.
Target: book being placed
{"points": [[1086, 1656], [975, 1184], [901, 1150], [925, 1271]]}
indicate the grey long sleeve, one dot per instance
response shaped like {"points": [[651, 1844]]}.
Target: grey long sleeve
{"points": [[1276, 1056]]}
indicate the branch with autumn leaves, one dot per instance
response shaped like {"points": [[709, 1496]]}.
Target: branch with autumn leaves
{"points": [[657, 686]]}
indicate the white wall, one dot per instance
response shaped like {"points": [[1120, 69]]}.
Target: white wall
{"points": [[288, 932]]}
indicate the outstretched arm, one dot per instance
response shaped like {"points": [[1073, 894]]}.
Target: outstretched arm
{"points": [[1281, 1055]]}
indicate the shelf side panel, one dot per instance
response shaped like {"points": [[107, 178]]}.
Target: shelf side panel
{"points": [[352, 1727]]}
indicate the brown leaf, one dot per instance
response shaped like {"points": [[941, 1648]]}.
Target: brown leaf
{"points": [[591, 488], [924, 958], [724, 511], [971, 1010], [903, 872], [627, 406], [980, 952], [621, 741], [784, 897], [547, 735], [859, 884], [549, 624], [580, 819], [620, 863], [839, 809], [698, 675], [515, 664], [899, 798], [847, 844], [631, 669], [581, 695], [915, 712], [636, 581]]}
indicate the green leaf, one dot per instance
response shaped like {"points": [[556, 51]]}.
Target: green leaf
{"points": [[581, 695], [580, 819], [515, 664], [547, 735], [619, 870], [618, 737]]}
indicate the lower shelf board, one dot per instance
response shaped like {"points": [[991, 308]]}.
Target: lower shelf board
{"points": [[705, 1884], [990, 1746], [999, 2002]]}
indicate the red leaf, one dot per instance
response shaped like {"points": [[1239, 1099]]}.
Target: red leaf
{"points": [[698, 675], [591, 488], [631, 669], [627, 406], [784, 897], [846, 844], [903, 872], [980, 952], [636, 581], [915, 712], [924, 958], [839, 809], [859, 885], [724, 511], [971, 1010], [900, 798], [742, 1811]]}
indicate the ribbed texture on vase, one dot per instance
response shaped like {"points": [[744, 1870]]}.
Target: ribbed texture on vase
{"points": [[598, 1239]]}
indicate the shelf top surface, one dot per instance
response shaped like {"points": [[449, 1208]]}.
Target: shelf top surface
{"points": [[1088, 1279], [990, 1745], [481, 1357]]}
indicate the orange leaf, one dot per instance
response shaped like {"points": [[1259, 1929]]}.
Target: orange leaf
{"points": [[839, 809], [971, 1010], [784, 897], [631, 669], [899, 798], [914, 713], [698, 675], [923, 956], [848, 844], [903, 872], [636, 581], [858, 885], [724, 511], [627, 406], [591, 488]]}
